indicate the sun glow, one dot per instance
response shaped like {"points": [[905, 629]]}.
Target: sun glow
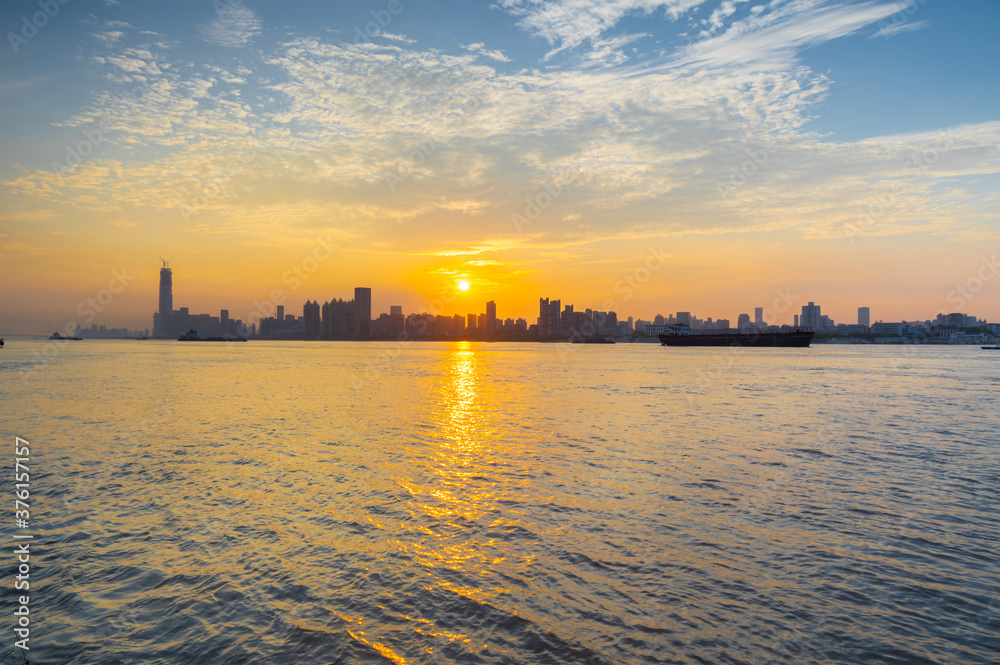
{"points": [[463, 285]]}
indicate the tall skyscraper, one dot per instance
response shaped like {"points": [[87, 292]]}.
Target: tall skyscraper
{"points": [[810, 316], [684, 317], [225, 323], [865, 317], [363, 306], [311, 319], [491, 318], [281, 314], [758, 315], [549, 313], [395, 310], [166, 313]]}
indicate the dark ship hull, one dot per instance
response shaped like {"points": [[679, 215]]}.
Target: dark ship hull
{"points": [[192, 336], [798, 338]]}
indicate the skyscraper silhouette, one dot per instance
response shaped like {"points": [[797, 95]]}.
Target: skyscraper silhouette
{"points": [[165, 315], [363, 305], [491, 319]]}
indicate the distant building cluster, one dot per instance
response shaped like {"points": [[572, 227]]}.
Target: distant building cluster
{"points": [[102, 332], [334, 319], [339, 319], [557, 322], [171, 323]]}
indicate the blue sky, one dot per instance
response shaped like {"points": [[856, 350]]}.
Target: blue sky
{"points": [[641, 113]]}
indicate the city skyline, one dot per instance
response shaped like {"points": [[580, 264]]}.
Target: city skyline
{"points": [[355, 319], [682, 154]]}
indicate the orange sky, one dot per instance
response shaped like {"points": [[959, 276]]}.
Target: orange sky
{"points": [[543, 160]]}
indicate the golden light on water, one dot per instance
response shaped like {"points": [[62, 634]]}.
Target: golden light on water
{"points": [[460, 483], [478, 502]]}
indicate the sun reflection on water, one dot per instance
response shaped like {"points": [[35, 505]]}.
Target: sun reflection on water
{"points": [[455, 521]]}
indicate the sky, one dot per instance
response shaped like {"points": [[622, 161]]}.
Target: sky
{"points": [[640, 156]]}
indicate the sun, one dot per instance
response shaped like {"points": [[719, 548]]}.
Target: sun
{"points": [[463, 285]]}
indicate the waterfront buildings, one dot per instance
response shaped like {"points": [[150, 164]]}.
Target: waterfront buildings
{"points": [[352, 319]]}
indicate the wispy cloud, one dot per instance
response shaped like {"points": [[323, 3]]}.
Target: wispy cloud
{"points": [[480, 48], [633, 151], [898, 28], [20, 249], [567, 24], [235, 25], [772, 40], [403, 39]]}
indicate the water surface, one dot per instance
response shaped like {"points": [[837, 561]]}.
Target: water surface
{"points": [[283, 502]]}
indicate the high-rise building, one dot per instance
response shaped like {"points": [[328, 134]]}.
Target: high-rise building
{"points": [[684, 317], [281, 314], [363, 304], [549, 314], [164, 327], [865, 317], [395, 310], [743, 322], [471, 325], [758, 315], [491, 318], [810, 316], [311, 319], [225, 323]]}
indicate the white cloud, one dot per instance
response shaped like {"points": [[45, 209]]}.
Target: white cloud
{"points": [[632, 151], [772, 40], [480, 48], [397, 38], [234, 25], [898, 28], [567, 24]]}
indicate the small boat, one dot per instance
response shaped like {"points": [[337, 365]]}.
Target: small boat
{"points": [[56, 335], [990, 348], [192, 336]]}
